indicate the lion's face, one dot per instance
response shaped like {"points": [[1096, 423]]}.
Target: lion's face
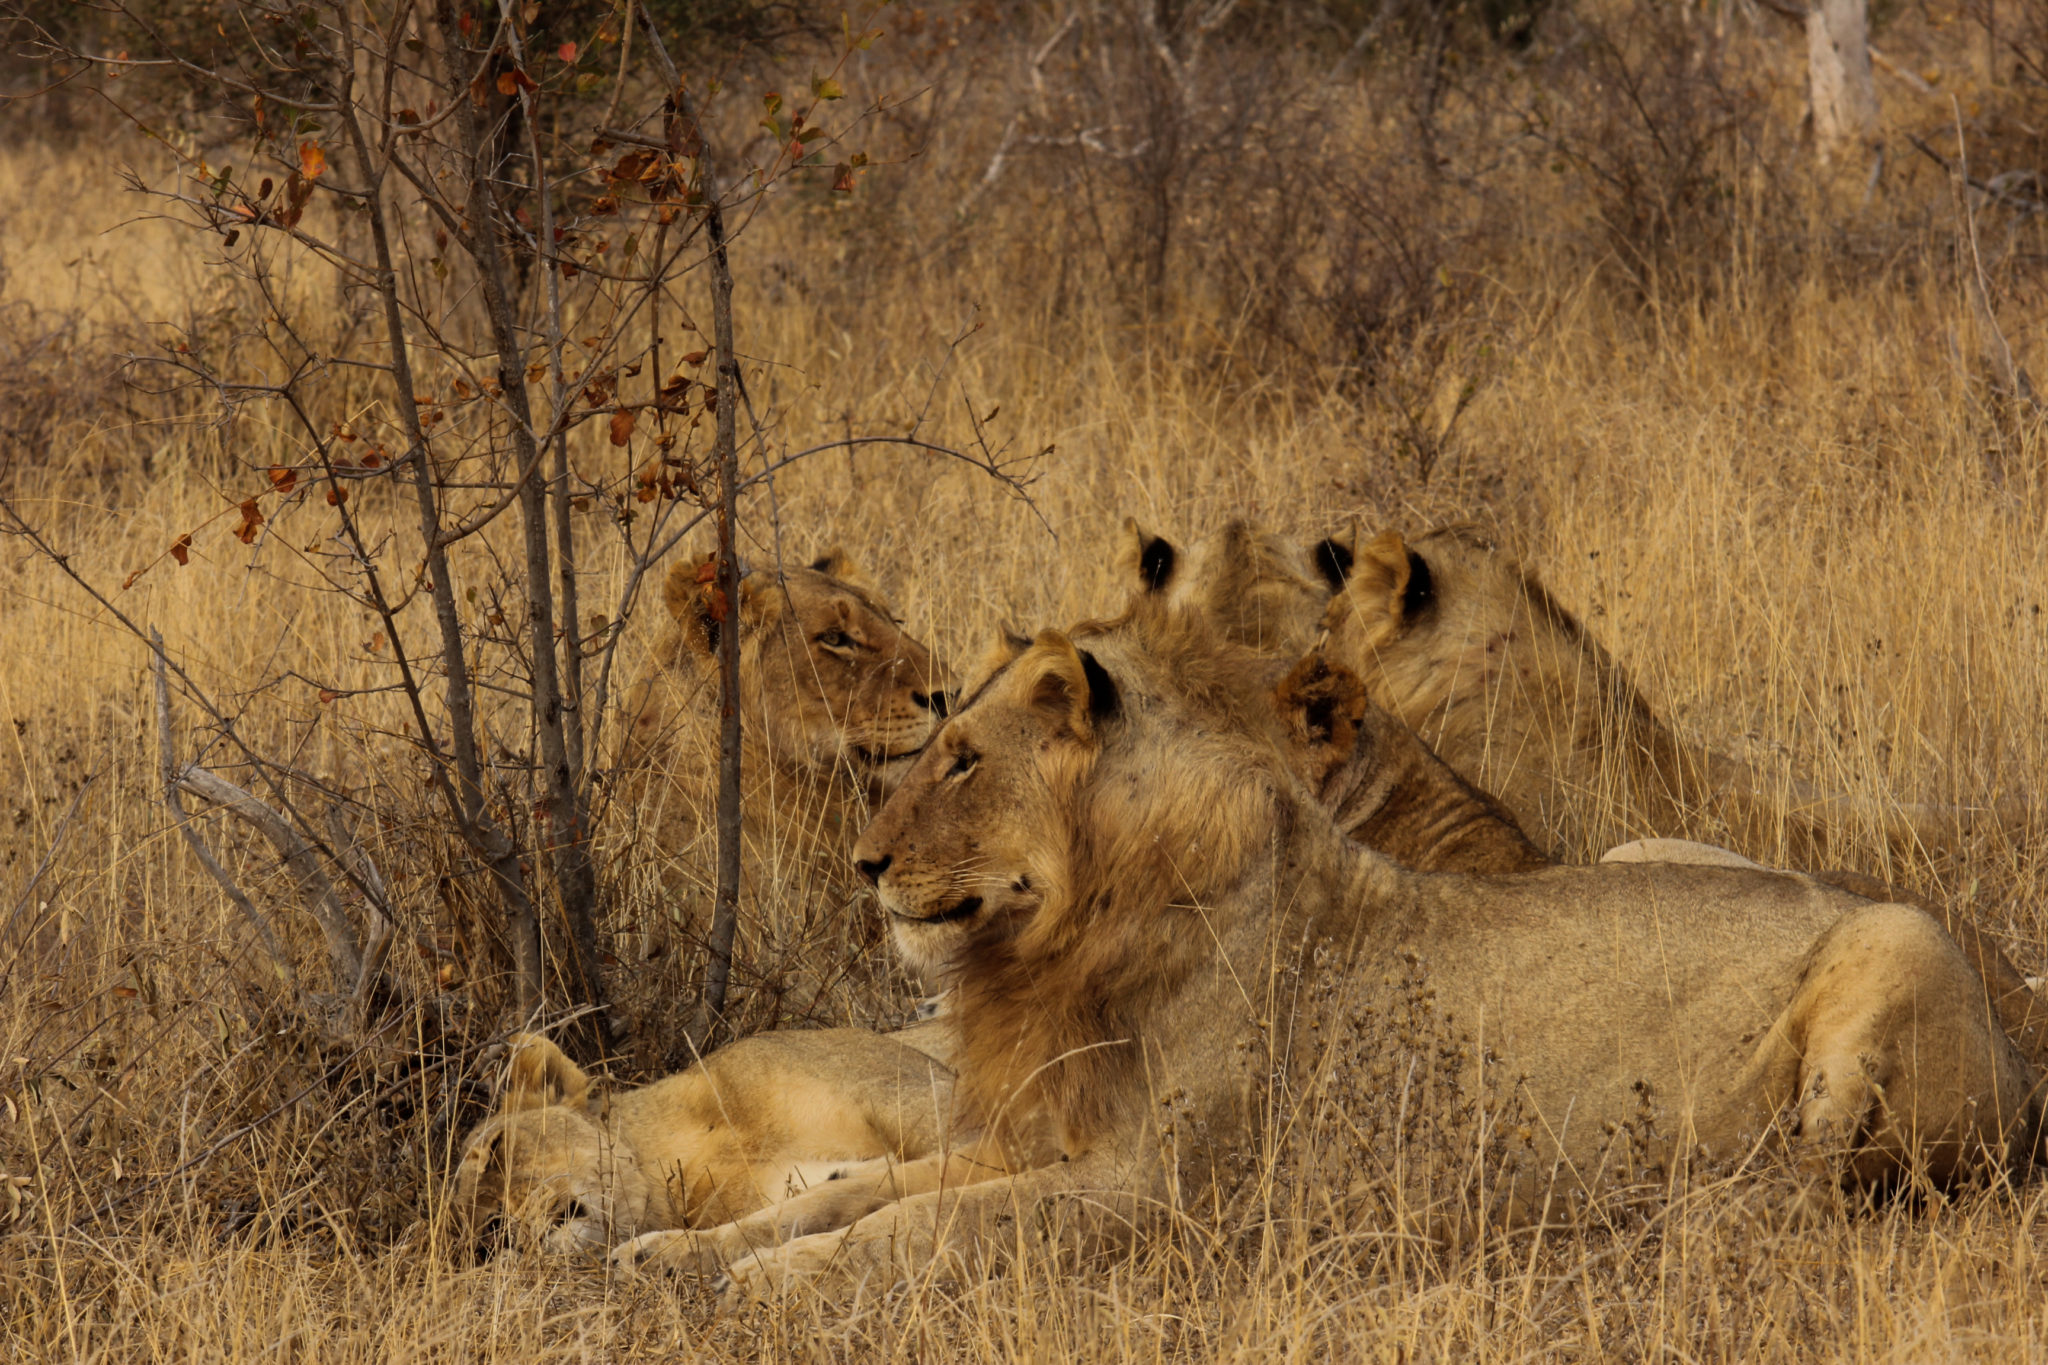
{"points": [[984, 832], [543, 1173], [550, 1180], [829, 680], [971, 843], [1446, 613]]}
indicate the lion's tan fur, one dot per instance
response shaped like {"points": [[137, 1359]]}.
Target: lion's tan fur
{"points": [[834, 694], [567, 1166], [1138, 902]]}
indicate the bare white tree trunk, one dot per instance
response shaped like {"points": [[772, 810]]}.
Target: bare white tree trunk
{"points": [[1839, 83]]}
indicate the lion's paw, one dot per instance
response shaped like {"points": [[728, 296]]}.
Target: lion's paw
{"points": [[811, 1262], [662, 1252]]}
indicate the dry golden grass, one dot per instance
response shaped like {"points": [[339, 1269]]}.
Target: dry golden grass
{"points": [[1773, 507]]}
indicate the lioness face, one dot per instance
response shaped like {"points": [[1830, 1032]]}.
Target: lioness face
{"points": [[839, 680], [543, 1171], [550, 1180], [975, 839], [828, 678]]}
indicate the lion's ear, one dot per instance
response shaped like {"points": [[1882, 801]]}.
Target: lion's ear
{"points": [[679, 589], [1002, 651], [1390, 585], [692, 598], [1146, 560], [1322, 706], [540, 1075], [840, 565], [1333, 557], [1069, 683]]}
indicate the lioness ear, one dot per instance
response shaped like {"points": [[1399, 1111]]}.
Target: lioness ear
{"points": [[540, 1074], [1070, 683], [1333, 557], [692, 597], [840, 565], [1390, 584], [1146, 559], [1321, 705]]}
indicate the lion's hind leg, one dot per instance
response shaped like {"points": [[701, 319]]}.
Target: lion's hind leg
{"points": [[1903, 1071]]}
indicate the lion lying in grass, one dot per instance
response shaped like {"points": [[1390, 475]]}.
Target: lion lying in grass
{"points": [[563, 1167], [1454, 637], [1139, 901], [1432, 630]]}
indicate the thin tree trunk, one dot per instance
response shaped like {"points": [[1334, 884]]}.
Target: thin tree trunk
{"points": [[726, 901], [467, 800], [1839, 83], [572, 853]]}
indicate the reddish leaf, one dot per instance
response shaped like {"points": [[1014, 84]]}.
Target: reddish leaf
{"points": [[312, 161], [622, 426], [373, 457], [375, 642], [328, 696], [604, 205], [567, 52], [467, 25], [336, 495], [252, 517], [715, 605], [842, 179], [284, 480], [695, 357], [181, 548], [708, 570]]}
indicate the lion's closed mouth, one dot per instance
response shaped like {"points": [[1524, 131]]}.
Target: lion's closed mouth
{"points": [[876, 758], [964, 910]]}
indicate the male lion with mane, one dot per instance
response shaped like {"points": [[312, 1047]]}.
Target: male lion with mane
{"points": [[1136, 897]]}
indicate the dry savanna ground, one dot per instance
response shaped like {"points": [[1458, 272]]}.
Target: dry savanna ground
{"points": [[1762, 462]]}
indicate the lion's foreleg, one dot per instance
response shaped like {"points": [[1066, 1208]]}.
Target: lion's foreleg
{"points": [[953, 1234], [851, 1194]]}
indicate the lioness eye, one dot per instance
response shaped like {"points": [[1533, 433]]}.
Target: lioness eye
{"points": [[835, 639], [963, 763], [577, 1210]]}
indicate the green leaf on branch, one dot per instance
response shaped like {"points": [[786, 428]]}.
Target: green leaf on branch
{"points": [[825, 88]]}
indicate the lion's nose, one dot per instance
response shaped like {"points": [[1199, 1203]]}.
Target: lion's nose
{"points": [[940, 703], [873, 871]]}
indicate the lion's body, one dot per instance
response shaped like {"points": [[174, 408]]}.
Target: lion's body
{"points": [[752, 1125], [1148, 918]]}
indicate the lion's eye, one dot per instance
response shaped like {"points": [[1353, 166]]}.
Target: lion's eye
{"points": [[963, 763], [836, 639], [577, 1211]]}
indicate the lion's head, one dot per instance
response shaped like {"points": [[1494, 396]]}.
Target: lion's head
{"points": [[1451, 634], [829, 680], [1255, 587], [544, 1172], [981, 835]]}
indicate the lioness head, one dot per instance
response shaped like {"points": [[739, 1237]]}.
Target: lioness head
{"points": [[1256, 588], [544, 1172], [828, 678], [983, 832]]}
